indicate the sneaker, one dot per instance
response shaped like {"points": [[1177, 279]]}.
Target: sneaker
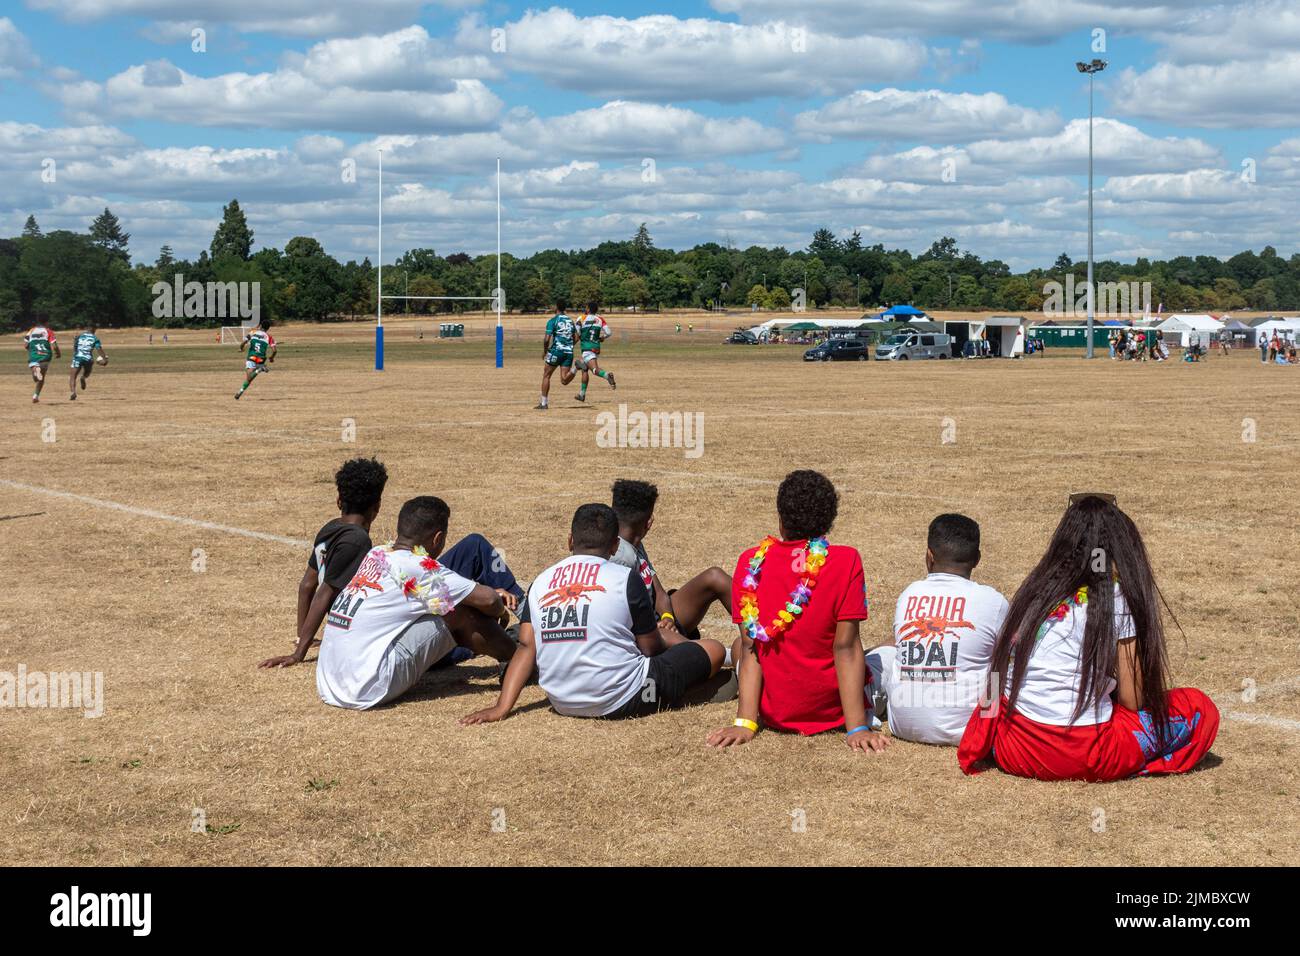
{"points": [[457, 655], [237, 394], [542, 407], [581, 397], [72, 397], [609, 377]]}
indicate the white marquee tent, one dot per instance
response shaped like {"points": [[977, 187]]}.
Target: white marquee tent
{"points": [[1202, 328], [1287, 328]]}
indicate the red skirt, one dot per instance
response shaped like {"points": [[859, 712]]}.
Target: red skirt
{"points": [[1122, 747]]}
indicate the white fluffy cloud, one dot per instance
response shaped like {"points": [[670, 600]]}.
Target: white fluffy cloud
{"points": [[399, 80], [1237, 94], [650, 130], [1034, 21], [923, 116], [289, 17], [664, 57], [16, 56]]}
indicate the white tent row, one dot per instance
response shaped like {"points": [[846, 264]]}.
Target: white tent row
{"points": [[820, 323], [1184, 329], [1285, 328]]}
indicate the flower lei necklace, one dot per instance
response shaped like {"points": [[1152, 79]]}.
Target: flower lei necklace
{"points": [[435, 594], [817, 549]]}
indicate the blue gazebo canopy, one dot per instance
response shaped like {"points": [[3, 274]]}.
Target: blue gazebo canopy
{"points": [[895, 310]]}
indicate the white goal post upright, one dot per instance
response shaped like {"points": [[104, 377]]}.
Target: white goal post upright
{"points": [[236, 333], [498, 291], [497, 298]]}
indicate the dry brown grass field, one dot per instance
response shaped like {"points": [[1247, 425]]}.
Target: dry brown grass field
{"points": [[189, 721]]}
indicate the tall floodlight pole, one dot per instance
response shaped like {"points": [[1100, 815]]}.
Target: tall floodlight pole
{"points": [[379, 291], [1093, 68], [501, 335]]}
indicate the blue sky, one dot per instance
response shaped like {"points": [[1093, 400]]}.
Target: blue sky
{"points": [[743, 121]]}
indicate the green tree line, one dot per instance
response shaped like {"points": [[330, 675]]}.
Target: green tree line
{"points": [[64, 278]]}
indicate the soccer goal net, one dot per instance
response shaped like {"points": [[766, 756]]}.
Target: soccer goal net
{"points": [[235, 333]]}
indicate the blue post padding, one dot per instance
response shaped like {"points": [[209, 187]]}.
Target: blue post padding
{"points": [[501, 346], [379, 348]]}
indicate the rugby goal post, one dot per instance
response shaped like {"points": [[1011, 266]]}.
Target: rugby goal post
{"points": [[497, 298]]}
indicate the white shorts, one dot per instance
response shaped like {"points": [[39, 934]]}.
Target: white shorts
{"points": [[40, 365], [588, 357], [259, 366]]}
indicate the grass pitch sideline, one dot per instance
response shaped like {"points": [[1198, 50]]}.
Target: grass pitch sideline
{"points": [[190, 725]]}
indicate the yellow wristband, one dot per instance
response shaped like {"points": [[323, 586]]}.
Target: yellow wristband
{"points": [[747, 724], [667, 616]]}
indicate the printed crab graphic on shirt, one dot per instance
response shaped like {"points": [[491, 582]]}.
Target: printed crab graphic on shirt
{"points": [[565, 605], [369, 576], [927, 640]]}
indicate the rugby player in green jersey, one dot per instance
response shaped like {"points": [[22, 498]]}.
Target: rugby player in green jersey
{"points": [[83, 359], [41, 347], [261, 350], [558, 346], [592, 330]]}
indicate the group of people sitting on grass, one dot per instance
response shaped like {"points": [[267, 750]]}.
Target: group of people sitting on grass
{"points": [[1137, 345], [1068, 680]]}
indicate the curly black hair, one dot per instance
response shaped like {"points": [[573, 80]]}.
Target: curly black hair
{"points": [[807, 503], [360, 482], [634, 501]]}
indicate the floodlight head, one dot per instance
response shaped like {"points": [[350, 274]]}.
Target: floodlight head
{"points": [[1081, 67]]}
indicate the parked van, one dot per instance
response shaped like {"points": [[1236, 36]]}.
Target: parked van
{"points": [[915, 345]]}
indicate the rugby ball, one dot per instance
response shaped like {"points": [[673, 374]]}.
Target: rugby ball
{"points": [[101, 360]]}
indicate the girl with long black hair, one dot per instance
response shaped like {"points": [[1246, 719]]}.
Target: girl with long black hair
{"points": [[1079, 672]]}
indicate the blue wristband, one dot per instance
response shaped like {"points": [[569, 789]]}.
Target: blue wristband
{"points": [[857, 730]]}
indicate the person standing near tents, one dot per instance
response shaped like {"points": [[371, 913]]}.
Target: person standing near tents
{"points": [[1263, 348], [1274, 346]]}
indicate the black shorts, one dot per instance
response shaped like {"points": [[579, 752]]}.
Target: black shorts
{"points": [[671, 674]]}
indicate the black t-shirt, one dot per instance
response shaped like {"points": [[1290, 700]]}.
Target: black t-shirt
{"points": [[339, 547], [639, 605]]}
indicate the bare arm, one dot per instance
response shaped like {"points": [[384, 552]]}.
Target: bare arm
{"points": [[309, 620], [1128, 676], [517, 674], [652, 643], [751, 691], [851, 673], [306, 591], [485, 599]]}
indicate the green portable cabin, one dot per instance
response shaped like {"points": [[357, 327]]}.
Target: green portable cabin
{"points": [[1071, 336]]}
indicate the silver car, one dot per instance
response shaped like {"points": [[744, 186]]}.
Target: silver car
{"points": [[915, 345]]}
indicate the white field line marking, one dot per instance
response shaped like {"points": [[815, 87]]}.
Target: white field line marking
{"points": [[1284, 722], [161, 516], [1284, 686]]}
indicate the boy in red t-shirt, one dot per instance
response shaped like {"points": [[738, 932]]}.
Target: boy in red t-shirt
{"points": [[799, 602]]}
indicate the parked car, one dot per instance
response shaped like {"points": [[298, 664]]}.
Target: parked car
{"points": [[838, 350], [741, 337], [915, 345]]}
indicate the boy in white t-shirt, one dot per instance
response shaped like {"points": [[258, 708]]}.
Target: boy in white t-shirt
{"points": [[402, 612], [945, 626], [590, 627]]}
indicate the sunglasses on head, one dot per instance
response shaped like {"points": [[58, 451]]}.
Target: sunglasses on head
{"points": [[1078, 496]]}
